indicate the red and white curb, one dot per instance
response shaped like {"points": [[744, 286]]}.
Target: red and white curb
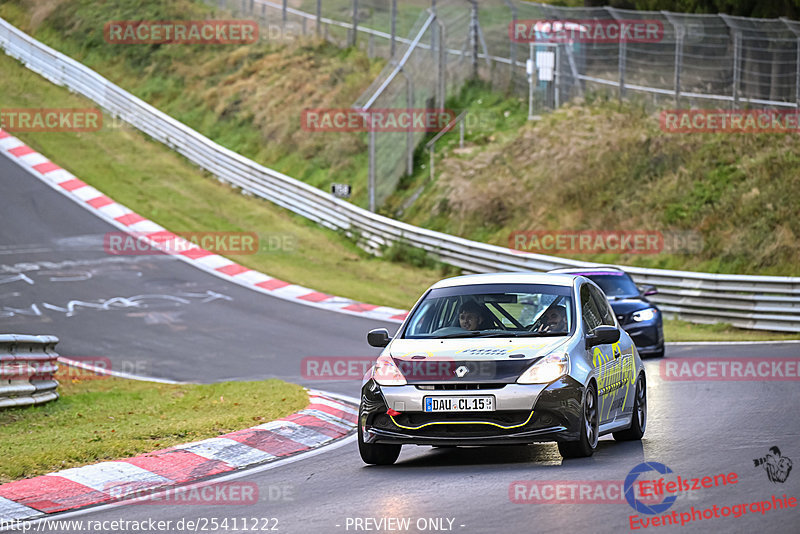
{"points": [[157, 236], [324, 420]]}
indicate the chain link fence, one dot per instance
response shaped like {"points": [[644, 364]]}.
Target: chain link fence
{"points": [[434, 46]]}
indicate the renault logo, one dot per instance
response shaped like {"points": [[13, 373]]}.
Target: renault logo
{"points": [[461, 371]]}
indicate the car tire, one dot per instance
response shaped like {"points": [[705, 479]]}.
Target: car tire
{"points": [[377, 453], [639, 417], [659, 353], [587, 443]]}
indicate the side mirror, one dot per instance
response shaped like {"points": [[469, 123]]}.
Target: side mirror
{"points": [[648, 290], [602, 335], [378, 337]]}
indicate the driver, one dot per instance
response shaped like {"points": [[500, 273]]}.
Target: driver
{"points": [[470, 316], [555, 320]]}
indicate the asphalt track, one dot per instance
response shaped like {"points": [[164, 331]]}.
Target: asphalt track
{"points": [[153, 315]]}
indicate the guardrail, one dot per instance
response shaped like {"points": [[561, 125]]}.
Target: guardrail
{"points": [[755, 302], [27, 365]]}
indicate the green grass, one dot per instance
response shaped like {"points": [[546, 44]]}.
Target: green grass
{"points": [[676, 330], [102, 418], [160, 185], [601, 165]]}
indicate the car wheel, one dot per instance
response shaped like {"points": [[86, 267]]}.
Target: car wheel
{"points": [[587, 442], [377, 453], [639, 419]]}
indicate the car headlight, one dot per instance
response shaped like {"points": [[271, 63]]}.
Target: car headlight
{"points": [[387, 374], [648, 314], [546, 370]]}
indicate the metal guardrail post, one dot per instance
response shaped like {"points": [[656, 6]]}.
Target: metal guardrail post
{"points": [[284, 14]]}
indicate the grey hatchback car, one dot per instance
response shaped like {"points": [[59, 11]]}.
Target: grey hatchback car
{"points": [[506, 358]]}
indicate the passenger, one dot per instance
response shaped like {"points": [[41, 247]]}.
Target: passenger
{"points": [[470, 316], [555, 320]]}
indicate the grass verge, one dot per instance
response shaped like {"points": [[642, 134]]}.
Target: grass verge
{"points": [[105, 418]]}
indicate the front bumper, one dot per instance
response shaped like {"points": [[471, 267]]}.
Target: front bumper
{"points": [[524, 414], [647, 336]]}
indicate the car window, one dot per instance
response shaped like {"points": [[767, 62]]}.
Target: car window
{"points": [[591, 315], [606, 315], [493, 309], [615, 284]]}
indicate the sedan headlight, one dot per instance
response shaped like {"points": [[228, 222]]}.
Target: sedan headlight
{"points": [[387, 374], [647, 314], [546, 370]]}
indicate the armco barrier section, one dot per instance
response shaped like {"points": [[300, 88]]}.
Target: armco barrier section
{"points": [[756, 302], [27, 365]]}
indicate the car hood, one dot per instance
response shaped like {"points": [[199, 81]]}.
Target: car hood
{"points": [[488, 360]]}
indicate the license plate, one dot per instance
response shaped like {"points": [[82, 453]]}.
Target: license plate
{"points": [[459, 404]]}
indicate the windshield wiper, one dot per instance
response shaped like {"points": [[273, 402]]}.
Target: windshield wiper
{"points": [[475, 333], [540, 334]]}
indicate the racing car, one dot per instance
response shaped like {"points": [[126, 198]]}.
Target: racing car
{"points": [[503, 358]]}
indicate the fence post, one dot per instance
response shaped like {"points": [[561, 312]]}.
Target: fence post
{"points": [[319, 17], [441, 87], [284, 14], [557, 76], [393, 44], [432, 159], [355, 24], [680, 32], [622, 45], [737, 50], [512, 44], [678, 62], [473, 35], [409, 131], [371, 185]]}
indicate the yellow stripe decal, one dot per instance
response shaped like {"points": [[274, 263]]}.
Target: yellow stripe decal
{"points": [[461, 423]]}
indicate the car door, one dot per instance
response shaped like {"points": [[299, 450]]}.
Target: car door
{"points": [[601, 356], [615, 372]]}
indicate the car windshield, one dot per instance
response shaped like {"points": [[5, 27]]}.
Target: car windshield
{"points": [[614, 284], [493, 310]]}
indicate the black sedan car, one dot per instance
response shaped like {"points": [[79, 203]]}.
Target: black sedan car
{"points": [[640, 318]]}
